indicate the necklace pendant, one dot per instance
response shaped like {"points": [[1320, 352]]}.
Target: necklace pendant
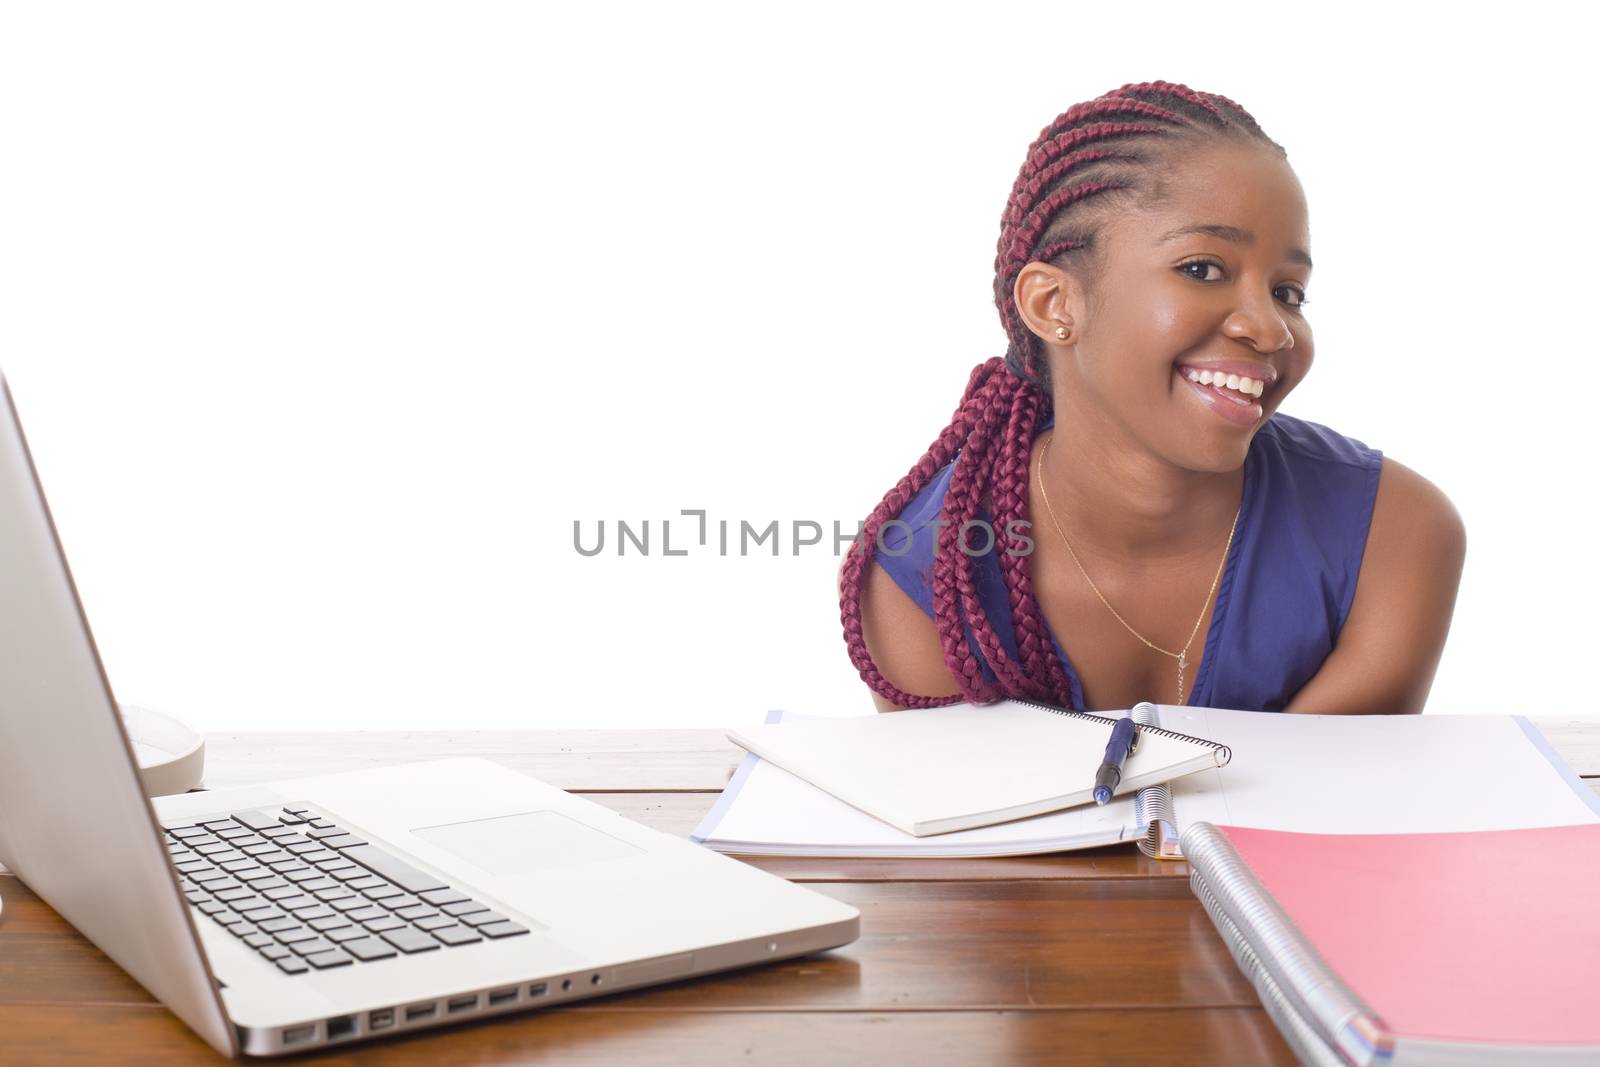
{"points": [[1183, 660]]}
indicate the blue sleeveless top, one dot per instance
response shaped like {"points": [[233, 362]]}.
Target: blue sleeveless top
{"points": [[1286, 586]]}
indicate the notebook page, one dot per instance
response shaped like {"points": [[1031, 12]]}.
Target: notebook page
{"points": [[773, 807], [1370, 774], [932, 770]]}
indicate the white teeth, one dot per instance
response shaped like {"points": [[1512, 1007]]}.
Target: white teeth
{"points": [[1238, 383]]}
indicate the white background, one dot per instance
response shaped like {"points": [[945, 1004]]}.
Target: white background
{"points": [[326, 321]]}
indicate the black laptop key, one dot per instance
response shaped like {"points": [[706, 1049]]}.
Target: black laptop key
{"points": [[456, 935], [312, 947], [408, 940], [293, 965], [368, 948], [483, 918], [402, 874], [343, 841], [505, 929], [323, 960], [442, 896], [255, 820]]}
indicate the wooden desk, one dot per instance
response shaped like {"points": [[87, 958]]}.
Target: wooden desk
{"points": [[1092, 957]]}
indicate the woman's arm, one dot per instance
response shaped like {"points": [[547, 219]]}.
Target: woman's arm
{"points": [[1393, 638]]}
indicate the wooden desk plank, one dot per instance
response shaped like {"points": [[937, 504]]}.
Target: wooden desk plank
{"points": [[600, 760], [1130, 943], [151, 1037], [596, 760]]}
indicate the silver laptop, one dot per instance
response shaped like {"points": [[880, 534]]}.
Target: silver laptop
{"points": [[290, 916]]}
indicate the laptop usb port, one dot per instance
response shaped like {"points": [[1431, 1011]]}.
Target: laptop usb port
{"points": [[296, 1034], [466, 1003], [502, 996], [343, 1026], [420, 1011]]}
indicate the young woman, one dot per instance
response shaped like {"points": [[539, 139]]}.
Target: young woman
{"points": [[1118, 510]]}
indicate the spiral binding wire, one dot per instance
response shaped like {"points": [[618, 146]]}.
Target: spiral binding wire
{"points": [[1301, 1036], [1302, 980], [1225, 753]]}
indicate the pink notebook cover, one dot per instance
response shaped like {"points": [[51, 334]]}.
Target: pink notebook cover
{"points": [[1489, 935]]}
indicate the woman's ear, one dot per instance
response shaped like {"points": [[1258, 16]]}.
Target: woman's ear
{"points": [[1047, 300]]}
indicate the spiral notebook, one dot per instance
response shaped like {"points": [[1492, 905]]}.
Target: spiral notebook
{"points": [[940, 770], [1474, 947], [1313, 773]]}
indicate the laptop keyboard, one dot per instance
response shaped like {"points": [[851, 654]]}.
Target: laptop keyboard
{"points": [[307, 894]]}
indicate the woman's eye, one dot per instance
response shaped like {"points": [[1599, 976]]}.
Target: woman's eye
{"points": [[1300, 295], [1203, 264]]}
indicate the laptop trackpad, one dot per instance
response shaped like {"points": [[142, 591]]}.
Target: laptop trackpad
{"points": [[528, 843]]}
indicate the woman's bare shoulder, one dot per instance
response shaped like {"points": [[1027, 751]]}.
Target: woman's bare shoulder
{"points": [[902, 640]]}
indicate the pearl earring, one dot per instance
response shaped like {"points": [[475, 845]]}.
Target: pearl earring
{"points": [[1061, 332]]}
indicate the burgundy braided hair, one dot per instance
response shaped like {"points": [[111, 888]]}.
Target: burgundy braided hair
{"points": [[1094, 155]]}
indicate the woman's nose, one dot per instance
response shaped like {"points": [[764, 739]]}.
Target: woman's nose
{"points": [[1259, 323]]}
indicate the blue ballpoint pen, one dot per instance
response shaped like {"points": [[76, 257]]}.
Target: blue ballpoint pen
{"points": [[1124, 737]]}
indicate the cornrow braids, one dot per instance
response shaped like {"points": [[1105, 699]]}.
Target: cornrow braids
{"points": [[1092, 157]]}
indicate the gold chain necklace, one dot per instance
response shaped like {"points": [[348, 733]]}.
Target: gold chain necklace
{"points": [[1182, 655]]}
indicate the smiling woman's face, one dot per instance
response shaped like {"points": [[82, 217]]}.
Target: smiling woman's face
{"points": [[1165, 298]]}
